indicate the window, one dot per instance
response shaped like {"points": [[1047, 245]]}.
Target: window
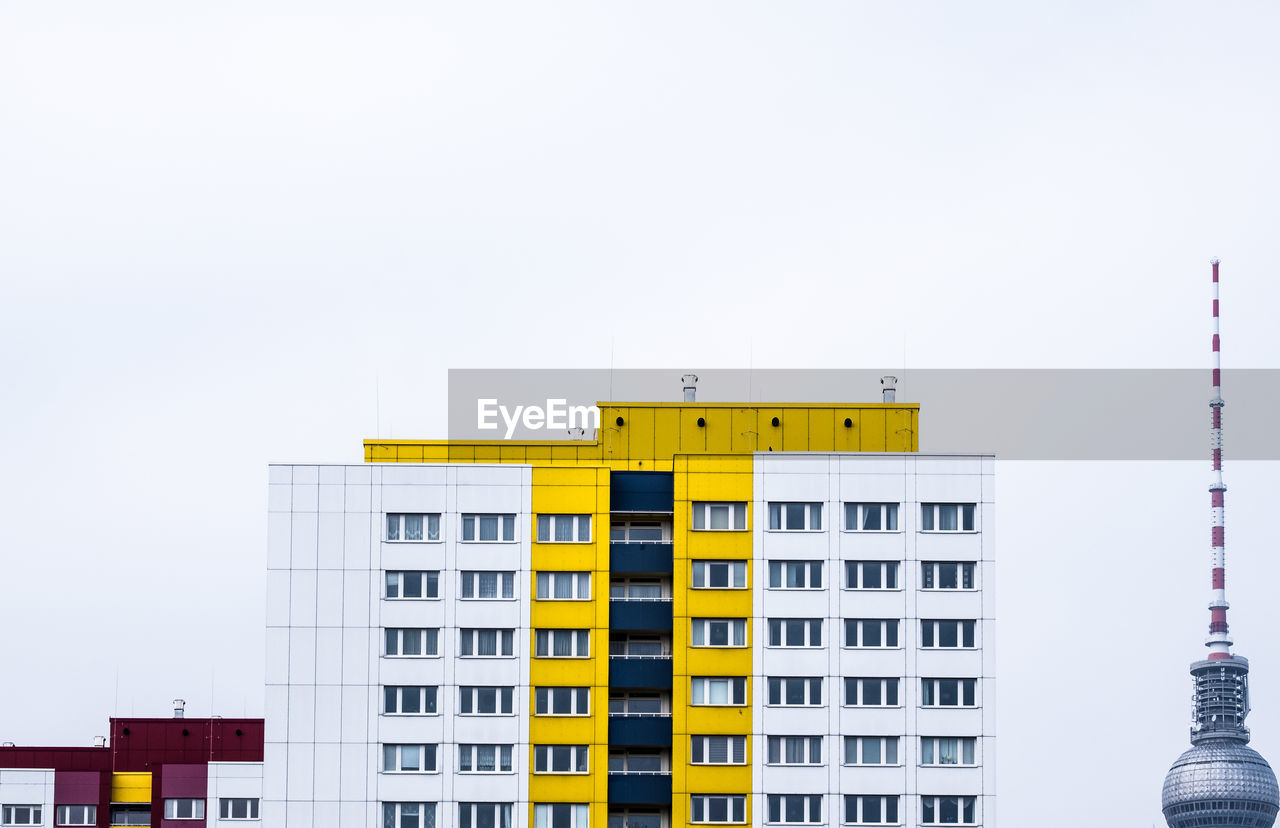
{"points": [[719, 516], [871, 750], [718, 750], [636, 761], [23, 815], [719, 574], [870, 574], [412, 642], [795, 632], [870, 517], [409, 759], [795, 750], [238, 807], [795, 517], [630, 818], [947, 692], [794, 809], [561, 643], [946, 517], [639, 531], [795, 691], [948, 810], [130, 814], [871, 692], [484, 815], [704, 808], [947, 750], [560, 759], [564, 586], [870, 810], [408, 814], [795, 574], [712, 691], [409, 701], [560, 815], [870, 632], [413, 584], [487, 643], [564, 528], [639, 644], [88, 814], [638, 704], [488, 528], [946, 575], [561, 701], [413, 527], [480, 586], [954, 634], [484, 758], [485, 701], [638, 589], [184, 809], [719, 632]]}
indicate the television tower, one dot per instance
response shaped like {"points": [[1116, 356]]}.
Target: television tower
{"points": [[1220, 781]]}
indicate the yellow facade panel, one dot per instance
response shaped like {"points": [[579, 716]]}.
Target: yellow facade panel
{"points": [[131, 787], [561, 730]]}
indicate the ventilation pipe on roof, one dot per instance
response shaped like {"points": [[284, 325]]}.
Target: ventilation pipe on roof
{"points": [[690, 382], [179, 708], [99, 741], [890, 388], [7, 744]]}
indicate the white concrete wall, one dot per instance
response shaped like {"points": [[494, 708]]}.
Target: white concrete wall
{"points": [[238, 780], [28, 787]]}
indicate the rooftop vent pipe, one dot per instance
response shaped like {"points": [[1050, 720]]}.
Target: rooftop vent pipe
{"points": [[890, 388], [179, 708], [690, 387], [99, 741]]}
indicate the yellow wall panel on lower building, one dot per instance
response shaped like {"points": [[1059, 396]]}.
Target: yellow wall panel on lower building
{"points": [[131, 787]]}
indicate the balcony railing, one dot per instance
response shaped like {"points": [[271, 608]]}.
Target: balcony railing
{"points": [[639, 787], [640, 614], [640, 557], [652, 730], [640, 671]]}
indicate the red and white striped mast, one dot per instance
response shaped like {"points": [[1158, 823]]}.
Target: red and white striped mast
{"points": [[1219, 640]]}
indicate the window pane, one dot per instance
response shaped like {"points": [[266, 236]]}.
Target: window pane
{"points": [[413, 527], [719, 516], [795, 516], [871, 517], [871, 576]]}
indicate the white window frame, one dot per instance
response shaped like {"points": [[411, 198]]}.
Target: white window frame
{"points": [[781, 630], [474, 522], [932, 688], [429, 584], [735, 809], [395, 525], [735, 574], [33, 812], [735, 632], [735, 749], [86, 815], [889, 571], [966, 517], [777, 750], [889, 686], [931, 573], [781, 513], [780, 574], [931, 633], [544, 759], [429, 645], [621, 587], [544, 701], [626, 527], [469, 585], [857, 515], [860, 800], [501, 815], [624, 700], [811, 801], [701, 687], [810, 682], [395, 811], [931, 751], [393, 758], [503, 641], [174, 807], [889, 630], [469, 758], [578, 528], [425, 692], [503, 697], [548, 581], [704, 510], [227, 808], [936, 803], [544, 815], [544, 643], [855, 750]]}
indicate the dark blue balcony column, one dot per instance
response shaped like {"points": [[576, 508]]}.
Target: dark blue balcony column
{"points": [[639, 672], [639, 730], [639, 615], [640, 557], [638, 491], [639, 789]]}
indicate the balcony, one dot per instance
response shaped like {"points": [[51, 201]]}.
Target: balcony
{"points": [[641, 491], [640, 730], [639, 614], [639, 672], [639, 557], [640, 788]]}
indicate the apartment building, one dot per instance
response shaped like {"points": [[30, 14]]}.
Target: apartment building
{"points": [[702, 614]]}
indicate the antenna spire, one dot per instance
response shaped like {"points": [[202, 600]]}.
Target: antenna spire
{"points": [[1219, 640]]}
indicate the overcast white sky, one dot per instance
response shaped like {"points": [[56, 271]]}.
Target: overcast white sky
{"points": [[224, 226]]}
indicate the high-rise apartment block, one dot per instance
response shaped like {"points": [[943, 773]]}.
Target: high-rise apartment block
{"points": [[706, 614]]}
